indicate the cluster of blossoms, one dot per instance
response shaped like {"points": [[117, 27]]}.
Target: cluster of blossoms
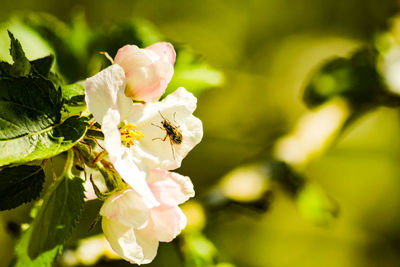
{"points": [[144, 139]]}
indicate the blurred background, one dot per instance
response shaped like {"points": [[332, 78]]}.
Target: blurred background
{"points": [[256, 57]]}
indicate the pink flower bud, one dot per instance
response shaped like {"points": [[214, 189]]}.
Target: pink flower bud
{"points": [[147, 71]]}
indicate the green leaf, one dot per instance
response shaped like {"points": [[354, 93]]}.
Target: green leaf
{"points": [[356, 79], [74, 99], [30, 121], [193, 73], [45, 144], [20, 185], [43, 65], [59, 214], [21, 66], [5, 68], [22, 259], [72, 91]]}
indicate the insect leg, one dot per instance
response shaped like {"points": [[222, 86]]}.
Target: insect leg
{"points": [[162, 139], [172, 148]]}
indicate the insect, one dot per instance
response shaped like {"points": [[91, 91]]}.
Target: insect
{"points": [[171, 131]]}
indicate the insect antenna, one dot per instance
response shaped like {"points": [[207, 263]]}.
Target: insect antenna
{"points": [[161, 115], [158, 126]]}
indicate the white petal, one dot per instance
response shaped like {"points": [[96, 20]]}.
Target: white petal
{"points": [[102, 90], [135, 246], [122, 240], [168, 222], [112, 135], [147, 240], [126, 207], [177, 108], [122, 159], [170, 188], [105, 91], [135, 178]]}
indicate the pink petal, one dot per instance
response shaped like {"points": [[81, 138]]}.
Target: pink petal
{"points": [[148, 71], [126, 207], [168, 222], [164, 50], [170, 188]]}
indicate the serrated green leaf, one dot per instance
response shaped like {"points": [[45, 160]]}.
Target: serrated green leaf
{"points": [[22, 259], [20, 185], [59, 214], [44, 144], [43, 65], [30, 121], [21, 66]]}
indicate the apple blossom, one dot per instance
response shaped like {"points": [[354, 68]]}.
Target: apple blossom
{"points": [[147, 71], [144, 141], [134, 230], [103, 101]]}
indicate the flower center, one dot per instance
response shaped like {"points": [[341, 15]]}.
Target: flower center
{"points": [[129, 134]]}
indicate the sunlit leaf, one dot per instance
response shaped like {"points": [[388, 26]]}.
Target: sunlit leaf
{"points": [[59, 214], [22, 259], [30, 126]]}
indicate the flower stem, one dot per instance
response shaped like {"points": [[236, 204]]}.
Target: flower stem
{"points": [[68, 165]]}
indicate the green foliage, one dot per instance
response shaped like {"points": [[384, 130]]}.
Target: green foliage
{"points": [[31, 125], [30, 121], [21, 66], [59, 214], [43, 65], [22, 259], [355, 78], [74, 97], [198, 250], [70, 51], [193, 73], [20, 185]]}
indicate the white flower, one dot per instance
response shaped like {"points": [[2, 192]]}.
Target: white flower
{"points": [[157, 148], [104, 98], [133, 230], [146, 140]]}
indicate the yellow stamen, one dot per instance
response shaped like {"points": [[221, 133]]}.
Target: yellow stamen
{"points": [[129, 134]]}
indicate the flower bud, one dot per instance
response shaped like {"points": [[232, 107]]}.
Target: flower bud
{"points": [[147, 71]]}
